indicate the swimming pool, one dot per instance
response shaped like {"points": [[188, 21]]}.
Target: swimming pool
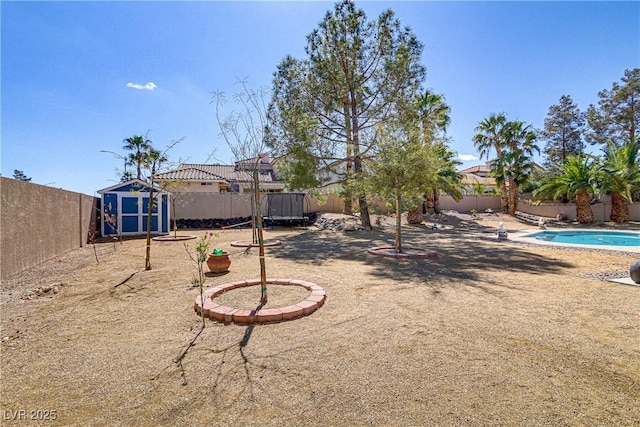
{"points": [[589, 237]]}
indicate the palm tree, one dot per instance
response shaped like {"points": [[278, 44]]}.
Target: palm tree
{"points": [[516, 159], [126, 176], [432, 114], [577, 181], [620, 177], [138, 145], [478, 188], [432, 111], [448, 180], [490, 136]]}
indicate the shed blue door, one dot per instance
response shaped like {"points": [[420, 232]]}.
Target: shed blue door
{"points": [[154, 215], [130, 214]]}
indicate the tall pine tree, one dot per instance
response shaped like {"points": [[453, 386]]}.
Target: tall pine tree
{"points": [[562, 132], [617, 116], [326, 107]]}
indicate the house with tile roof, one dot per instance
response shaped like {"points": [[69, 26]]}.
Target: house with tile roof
{"points": [[216, 178], [481, 174], [478, 175]]}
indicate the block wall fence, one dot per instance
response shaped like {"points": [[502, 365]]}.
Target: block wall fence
{"points": [[38, 223], [233, 205]]}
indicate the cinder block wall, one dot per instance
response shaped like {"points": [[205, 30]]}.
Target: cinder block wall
{"points": [[38, 223], [479, 203], [601, 210], [212, 205]]}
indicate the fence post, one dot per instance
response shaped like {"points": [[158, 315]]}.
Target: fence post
{"points": [[80, 228]]}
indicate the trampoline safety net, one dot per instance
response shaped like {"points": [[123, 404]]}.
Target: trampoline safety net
{"points": [[285, 206]]}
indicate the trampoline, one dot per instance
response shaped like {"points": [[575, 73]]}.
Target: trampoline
{"points": [[287, 209]]}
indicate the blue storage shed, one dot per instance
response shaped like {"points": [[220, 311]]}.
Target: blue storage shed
{"points": [[125, 207]]}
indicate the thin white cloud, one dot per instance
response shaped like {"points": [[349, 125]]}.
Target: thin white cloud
{"points": [[467, 157], [148, 86]]}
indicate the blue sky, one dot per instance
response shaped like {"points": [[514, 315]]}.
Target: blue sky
{"points": [[79, 77]]}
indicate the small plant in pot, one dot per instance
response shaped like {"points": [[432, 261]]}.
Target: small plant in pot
{"points": [[218, 261]]}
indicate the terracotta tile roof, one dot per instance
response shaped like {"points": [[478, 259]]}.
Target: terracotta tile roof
{"points": [[221, 173], [189, 174], [476, 169], [263, 161]]}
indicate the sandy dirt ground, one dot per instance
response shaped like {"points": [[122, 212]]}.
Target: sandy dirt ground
{"points": [[487, 333]]}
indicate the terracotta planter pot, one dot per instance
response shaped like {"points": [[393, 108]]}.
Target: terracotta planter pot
{"points": [[219, 263]]}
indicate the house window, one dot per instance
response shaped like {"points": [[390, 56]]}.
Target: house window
{"points": [[206, 183]]}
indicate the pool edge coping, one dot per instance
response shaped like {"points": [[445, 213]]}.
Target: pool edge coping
{"points": [[522, 236]]}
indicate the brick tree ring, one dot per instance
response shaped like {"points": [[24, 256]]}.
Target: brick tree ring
{"points": [[240, 316], [408, 252]]}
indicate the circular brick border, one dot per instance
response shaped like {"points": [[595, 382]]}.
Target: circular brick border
{"points": [[226, 314], [267, 244], [409, 252]]}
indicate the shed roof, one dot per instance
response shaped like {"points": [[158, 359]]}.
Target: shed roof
{"points": [[126, 186]]}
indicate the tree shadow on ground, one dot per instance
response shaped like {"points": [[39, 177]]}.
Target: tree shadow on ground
{"points": [[234, 370], [463, 253]]}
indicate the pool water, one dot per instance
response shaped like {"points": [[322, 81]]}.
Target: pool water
{"points": [[588, 237]]}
